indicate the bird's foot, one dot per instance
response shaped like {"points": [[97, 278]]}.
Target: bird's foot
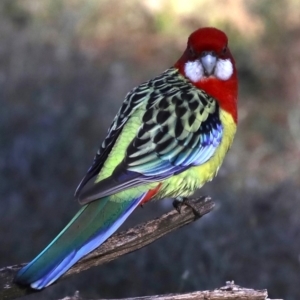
{"points": [[177, 203], [180, 201]]}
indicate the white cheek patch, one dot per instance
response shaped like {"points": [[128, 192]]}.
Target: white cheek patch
{"points": [[193, 70], [224, 69]]}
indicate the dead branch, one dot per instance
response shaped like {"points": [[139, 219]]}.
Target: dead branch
{"points": [[228, 292], [116, 246]]}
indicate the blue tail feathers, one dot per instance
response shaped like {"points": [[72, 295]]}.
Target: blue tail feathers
{"points": [[89, 228]]}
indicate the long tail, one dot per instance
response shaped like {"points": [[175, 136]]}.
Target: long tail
{"points": [[90, 227]]}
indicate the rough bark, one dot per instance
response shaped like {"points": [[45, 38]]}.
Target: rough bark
{"points": [[228, 292]]}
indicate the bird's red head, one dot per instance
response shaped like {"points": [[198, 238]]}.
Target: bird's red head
{"points": [[207, 62]]}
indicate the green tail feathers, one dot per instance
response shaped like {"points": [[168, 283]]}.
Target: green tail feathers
{"points": [[89, 228]]}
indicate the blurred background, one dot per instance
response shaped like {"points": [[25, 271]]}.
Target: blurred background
{"points": [[65, 67]]}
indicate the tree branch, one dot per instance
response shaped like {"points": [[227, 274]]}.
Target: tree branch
{"points": [[228, 292], [116, 246]]}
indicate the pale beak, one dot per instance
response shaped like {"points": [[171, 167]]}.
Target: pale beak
{"points": [[208, 61]]}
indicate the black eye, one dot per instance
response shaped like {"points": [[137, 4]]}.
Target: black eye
{"points": [[224, 50], [191, 51]]}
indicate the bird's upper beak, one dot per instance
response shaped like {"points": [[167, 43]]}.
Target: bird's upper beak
{"points": [[208, 60]]}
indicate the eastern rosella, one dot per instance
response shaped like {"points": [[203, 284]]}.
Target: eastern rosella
{"points": [[168, 139]]}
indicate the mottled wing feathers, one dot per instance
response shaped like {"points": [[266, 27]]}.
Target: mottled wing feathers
{"points": [[179, 131], [149, 91], [180, 127], [132, 101]]}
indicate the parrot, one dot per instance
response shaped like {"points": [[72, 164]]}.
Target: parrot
{"points": [[167, 140]]}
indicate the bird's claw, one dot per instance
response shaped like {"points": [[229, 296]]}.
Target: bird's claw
{"points": [[177, 204], [194, 208]]}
